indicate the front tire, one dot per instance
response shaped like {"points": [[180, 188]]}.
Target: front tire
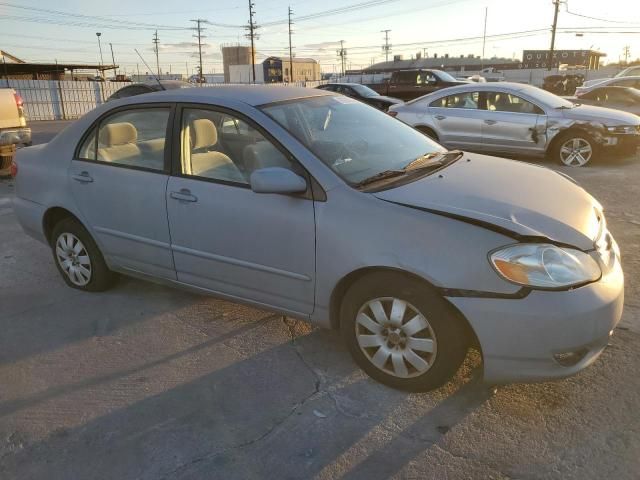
{"points": [[574, 149], [402, 333], [78, 258]]}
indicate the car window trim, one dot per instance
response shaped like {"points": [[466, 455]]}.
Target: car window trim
{"points": [[95, 126], [535, 104], [176, 164]]}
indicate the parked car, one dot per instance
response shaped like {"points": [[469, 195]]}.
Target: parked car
{"points": [[515, 119], [13, 128], [410, 84], [565, 84], [619, 98], [362, 93], [148, 87], [632, 82], [325, 209], [627, 72]]}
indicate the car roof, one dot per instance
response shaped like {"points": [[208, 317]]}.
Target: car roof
{"points": [[250, 94]]}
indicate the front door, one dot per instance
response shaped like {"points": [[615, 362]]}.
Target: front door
{"points": [[119, 180], [225, 237], [458, 121], [513, 125]]}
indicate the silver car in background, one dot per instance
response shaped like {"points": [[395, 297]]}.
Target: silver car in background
{"points": [[325, 209], [515, 119]]}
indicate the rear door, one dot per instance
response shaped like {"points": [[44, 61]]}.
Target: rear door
{"points": [[118, 179], [458, 120], [511, 124]]}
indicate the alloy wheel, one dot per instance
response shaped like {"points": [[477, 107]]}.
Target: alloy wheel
{"points": [[73, 259], [395, 337], [576, 152]]}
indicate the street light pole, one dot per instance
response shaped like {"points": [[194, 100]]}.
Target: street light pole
{"points": [[100, 48], [556, 3]]}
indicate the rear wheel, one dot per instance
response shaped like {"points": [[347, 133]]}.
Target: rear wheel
{"points": [[574, 149], [401, 333], [78, 258]]}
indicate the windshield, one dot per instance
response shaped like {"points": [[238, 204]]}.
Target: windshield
{"points": [[445, 77], [548, 98], [355, 140], [365, 91]]}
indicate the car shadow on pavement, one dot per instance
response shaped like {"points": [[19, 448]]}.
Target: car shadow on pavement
{"points": [[297, 408], [50, 324]]}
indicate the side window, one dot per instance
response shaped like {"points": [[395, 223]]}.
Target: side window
{"points": [[506, 102], [468, 100], [134, 138], [219, 146], [88, 148]]}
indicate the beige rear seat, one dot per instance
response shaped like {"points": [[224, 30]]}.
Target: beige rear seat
{"points": [[117, 142]]}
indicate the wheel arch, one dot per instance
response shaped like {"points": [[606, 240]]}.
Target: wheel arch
{"points": [[52, 217], [569, 131], [429, 131], [341, 288]]}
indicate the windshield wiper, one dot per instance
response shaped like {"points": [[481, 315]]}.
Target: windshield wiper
{"points": [[380, 176], [433, 159], [423, 162]]}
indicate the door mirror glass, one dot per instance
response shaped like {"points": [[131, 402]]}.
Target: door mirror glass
{"points": [[277, 180]]}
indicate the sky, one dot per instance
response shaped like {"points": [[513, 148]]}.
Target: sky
{"points": [[65, 30]]}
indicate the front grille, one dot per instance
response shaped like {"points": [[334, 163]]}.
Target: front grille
{"points": [[5, 161]]}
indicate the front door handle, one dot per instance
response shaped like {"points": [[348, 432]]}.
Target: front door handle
{"points": [[440, 117], [83, 177], [490, 122], [184, 195]]}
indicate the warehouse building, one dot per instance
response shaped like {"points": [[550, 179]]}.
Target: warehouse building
{"points": [[276, 69]]}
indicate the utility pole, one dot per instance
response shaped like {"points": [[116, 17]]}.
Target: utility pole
{"points": [[386, 48], [199, 36], [626, 51], [290, 49], [556, 4], [252, 27], [156, 41], [342, 54], [113, 59], [484, 37]]}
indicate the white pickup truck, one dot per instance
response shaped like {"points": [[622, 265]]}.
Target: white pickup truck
{"points": [[13, 128]]}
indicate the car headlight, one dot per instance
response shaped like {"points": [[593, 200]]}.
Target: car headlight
{"points": [[625, 129], [544, 265]]}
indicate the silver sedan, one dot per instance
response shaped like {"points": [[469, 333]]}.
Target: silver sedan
{"points": [[323, 208], [514, 119]]}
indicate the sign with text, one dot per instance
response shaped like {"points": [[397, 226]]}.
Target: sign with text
{"points": [[541, 58]]}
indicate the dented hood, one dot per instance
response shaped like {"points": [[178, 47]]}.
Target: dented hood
{"points": [[520, 199], [602, 115]]}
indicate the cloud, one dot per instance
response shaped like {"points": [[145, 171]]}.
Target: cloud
{"points": [[321, 46]]}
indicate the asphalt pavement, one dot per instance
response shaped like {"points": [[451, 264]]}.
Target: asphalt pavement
{"points": [[148, 382]]}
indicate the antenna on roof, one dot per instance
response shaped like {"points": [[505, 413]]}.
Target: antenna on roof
{"points": [[150, 69]]}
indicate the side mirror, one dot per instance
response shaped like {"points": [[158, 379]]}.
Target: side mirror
{"points": [[276, 180]]}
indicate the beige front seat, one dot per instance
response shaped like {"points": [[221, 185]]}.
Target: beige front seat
{"points": [[117, 142], [207, 163]]}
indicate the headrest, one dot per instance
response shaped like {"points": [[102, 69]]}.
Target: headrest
{"points": [[118, 134], [203, 133]]}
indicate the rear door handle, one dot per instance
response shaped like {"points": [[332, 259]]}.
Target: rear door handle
{"points": [[183, 195], [440, 117], [490, 122], [83, 177]]}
